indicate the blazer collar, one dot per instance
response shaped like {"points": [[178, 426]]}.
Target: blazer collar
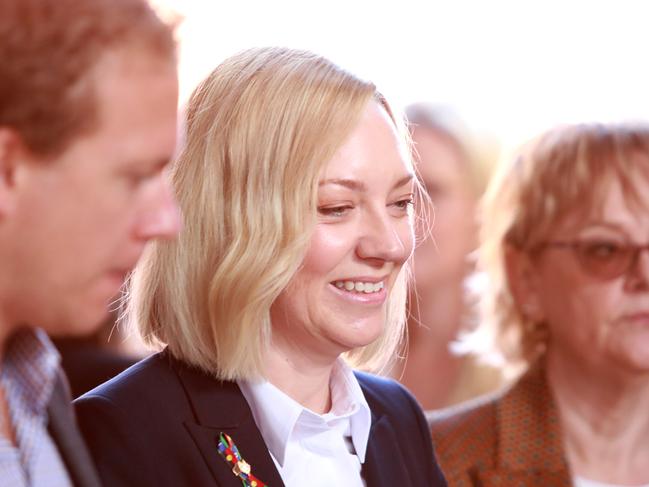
{"points": [[219, 407], [384, 463], [63, 430], [528, 422], [277, 415]]}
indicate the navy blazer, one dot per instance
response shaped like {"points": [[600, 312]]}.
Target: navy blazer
{"points": [[158, 424]]}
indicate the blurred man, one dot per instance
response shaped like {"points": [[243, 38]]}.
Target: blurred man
{"points": [[88, 95]]}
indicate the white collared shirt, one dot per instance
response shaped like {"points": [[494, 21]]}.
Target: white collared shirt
{"points": [[583, 482], [309, 448]]}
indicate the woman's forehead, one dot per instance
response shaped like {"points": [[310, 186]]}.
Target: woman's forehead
{"points": [[612, 202]]}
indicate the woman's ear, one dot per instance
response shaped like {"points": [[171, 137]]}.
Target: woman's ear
{"points": [[523, 280]]}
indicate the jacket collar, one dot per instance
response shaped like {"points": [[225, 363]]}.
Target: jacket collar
{"points": [[219, 407], [277, 415], [528, 422], [384, 463]]}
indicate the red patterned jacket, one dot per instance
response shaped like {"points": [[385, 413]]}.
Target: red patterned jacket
{"points": [[505, 440]]}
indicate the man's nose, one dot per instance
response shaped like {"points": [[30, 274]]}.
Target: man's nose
{"points": [[161, 219]]}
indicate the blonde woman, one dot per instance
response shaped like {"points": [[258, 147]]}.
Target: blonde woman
{"points": [[564, 243], [296, 190]]}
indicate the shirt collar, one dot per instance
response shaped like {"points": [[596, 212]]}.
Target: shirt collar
{"points": [[276, 414], [30, 366]]}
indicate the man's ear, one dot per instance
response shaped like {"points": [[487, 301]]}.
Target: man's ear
{"points": [[524, 283], [11, 150]]}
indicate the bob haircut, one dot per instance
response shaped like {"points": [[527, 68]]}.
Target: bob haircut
{"points": [[566, 171], [48, 50], [259, 130]]}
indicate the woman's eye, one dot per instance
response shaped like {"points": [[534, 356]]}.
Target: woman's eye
{"points": [[602, 250], [404, 204], [335, 211]]}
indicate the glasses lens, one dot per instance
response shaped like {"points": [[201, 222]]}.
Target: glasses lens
{"points": [[604, 259]]}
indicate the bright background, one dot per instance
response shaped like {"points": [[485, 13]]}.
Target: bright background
{"points": [[512, 68]]}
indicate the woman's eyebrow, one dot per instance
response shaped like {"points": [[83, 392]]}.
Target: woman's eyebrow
{"points": [[598, 224], [356, 185], [348, 183], [403, 181]]}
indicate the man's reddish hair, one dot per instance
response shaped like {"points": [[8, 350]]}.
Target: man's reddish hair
{"points": [[47, 50]]}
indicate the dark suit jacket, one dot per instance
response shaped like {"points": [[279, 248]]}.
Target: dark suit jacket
{"points": [[158, 423], [87, 365], [63, 430], [505, 440]]}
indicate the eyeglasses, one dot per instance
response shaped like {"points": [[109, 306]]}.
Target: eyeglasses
{"points": [[603, 259]]}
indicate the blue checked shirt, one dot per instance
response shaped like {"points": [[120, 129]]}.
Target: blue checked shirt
{"points": [[27, 376]]}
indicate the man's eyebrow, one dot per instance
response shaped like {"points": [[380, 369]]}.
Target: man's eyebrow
{"points": [[355, 185]]}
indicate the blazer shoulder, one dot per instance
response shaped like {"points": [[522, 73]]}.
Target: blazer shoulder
{"points": [[138, 415], [145, 395], [143, 380], [393, 404], [466, 436], [383, 393]]}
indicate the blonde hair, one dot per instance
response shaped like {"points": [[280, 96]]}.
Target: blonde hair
{"points": [[565, 170], [260, 129]]}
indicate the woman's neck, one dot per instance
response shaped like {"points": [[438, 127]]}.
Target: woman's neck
{"points": [[604, 420], [299, 375]]}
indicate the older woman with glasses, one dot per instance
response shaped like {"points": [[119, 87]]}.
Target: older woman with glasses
{"points": [[565, 232]]}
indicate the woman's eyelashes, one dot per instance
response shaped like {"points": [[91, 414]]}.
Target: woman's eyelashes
{"points": [[336, 211], [404, 204], [401, 205]]}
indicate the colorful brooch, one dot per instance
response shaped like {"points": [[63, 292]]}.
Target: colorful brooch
{"points": [[230, 453]]}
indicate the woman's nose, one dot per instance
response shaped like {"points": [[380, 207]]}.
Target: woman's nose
{"points": [[638, 274], [385, 238]]}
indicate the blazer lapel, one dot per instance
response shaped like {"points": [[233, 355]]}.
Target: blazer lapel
{"points": [[63, 430], [384, 465], [530, 449], [219, 407]]}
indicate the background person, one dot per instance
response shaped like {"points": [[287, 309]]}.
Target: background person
{"points": [[88, 96], [564, 243], [296, 189], [454, 164]]}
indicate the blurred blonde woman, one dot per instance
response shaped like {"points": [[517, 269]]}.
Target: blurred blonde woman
{"points": [[564, 243], [296, 190], [454, 165]]}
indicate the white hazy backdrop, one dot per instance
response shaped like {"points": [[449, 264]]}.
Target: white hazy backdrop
{"points": [[512, 68]]}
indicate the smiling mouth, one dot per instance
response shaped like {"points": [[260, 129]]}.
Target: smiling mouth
{"points": [[359, 286]]}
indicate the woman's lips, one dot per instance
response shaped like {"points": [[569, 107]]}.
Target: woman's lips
{"points": [[374, 297]]}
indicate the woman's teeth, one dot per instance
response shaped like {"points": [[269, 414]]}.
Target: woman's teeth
{"points": [[360, 287]]}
